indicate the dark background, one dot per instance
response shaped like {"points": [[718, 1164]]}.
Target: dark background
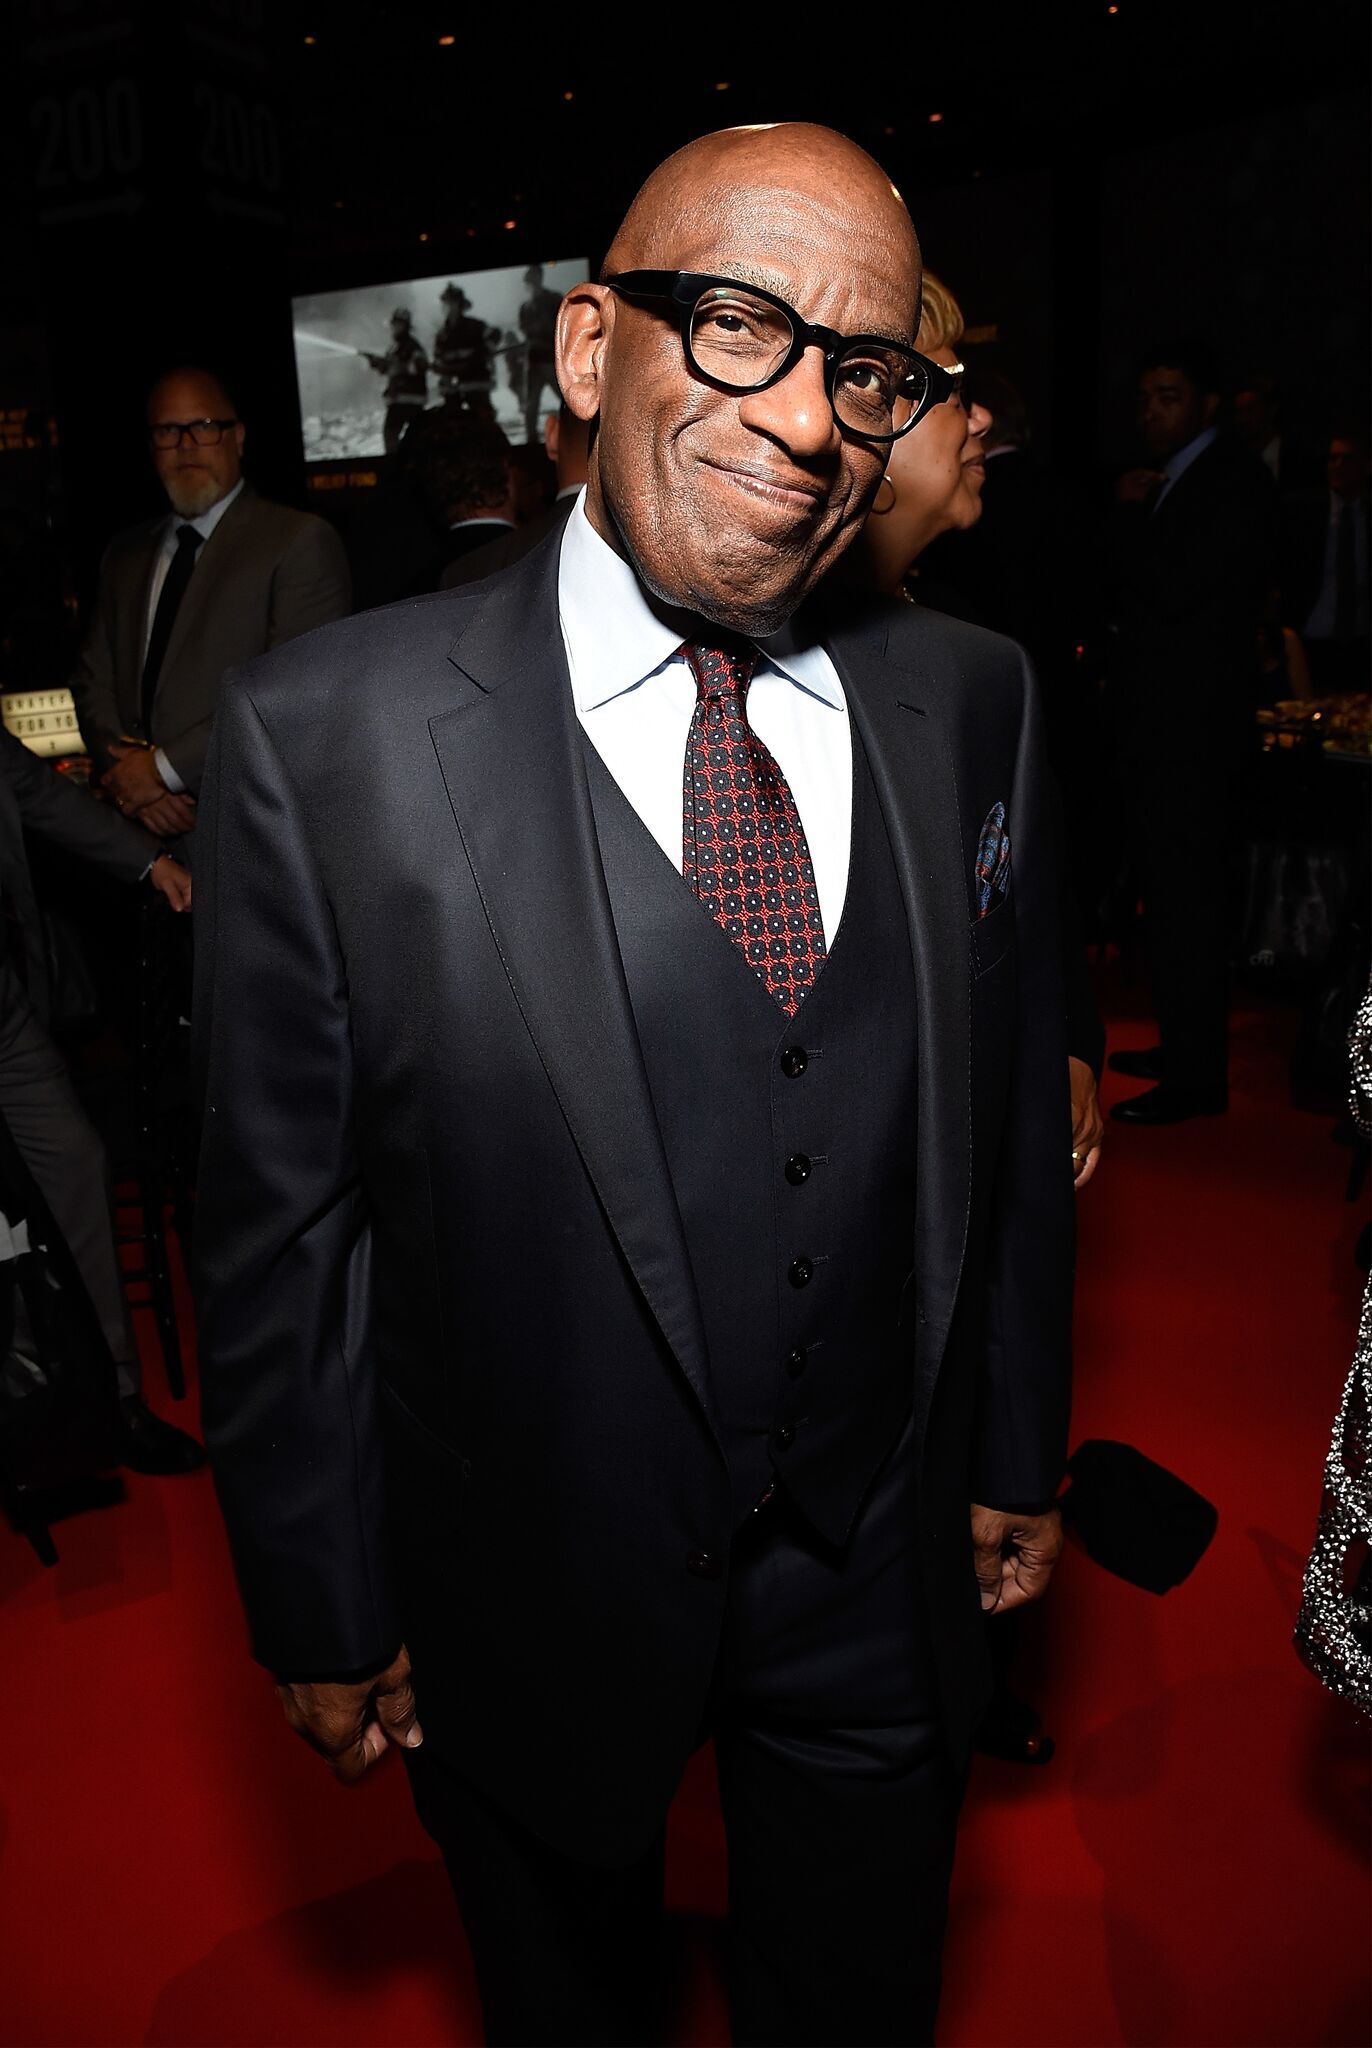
{"points": [[172, 174]]}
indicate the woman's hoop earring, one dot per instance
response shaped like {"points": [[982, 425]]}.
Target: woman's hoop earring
{"points": [[890, 505]]}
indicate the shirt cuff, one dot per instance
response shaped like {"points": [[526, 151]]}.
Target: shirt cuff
{"points": [[167, 772]]}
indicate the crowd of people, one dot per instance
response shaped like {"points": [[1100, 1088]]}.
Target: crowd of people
{"points": [[383, 1081]]}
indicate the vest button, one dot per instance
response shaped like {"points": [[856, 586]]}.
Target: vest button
{"points": [[795, 1362], [797, 1169], [800, 1272], [786, 1436], [703, 1564], [794, 1061]]}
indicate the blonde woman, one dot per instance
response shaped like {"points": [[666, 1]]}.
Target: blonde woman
{"points": [[934, 479]]}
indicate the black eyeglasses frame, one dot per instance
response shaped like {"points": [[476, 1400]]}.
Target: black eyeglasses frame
{"points": [[184, 427], [684, 289]]}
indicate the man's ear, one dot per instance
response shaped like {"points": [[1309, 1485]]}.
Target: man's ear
{"points": [[1211, 405], [584, 325]]}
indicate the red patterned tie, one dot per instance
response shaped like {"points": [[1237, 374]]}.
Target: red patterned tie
{"points": [[744, 848]]}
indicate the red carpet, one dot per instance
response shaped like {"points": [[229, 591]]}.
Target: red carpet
{"points": [[1191, 1869]]}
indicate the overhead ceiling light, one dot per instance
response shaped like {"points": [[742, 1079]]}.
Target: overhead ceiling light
{"points": [[512, 223], [935, 117], [446, 42]]}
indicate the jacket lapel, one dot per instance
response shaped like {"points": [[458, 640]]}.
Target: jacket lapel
{"points": [[893, 708], [136, 624], [515, 775], [216, 556]]}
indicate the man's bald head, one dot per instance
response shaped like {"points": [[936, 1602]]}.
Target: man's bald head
{"points": [[751, 178], [732, 504]]}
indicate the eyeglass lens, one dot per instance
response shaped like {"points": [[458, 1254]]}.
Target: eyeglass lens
{"points": [[204, 433], [741, 341]]}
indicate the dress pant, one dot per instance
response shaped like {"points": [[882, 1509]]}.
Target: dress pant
{"points": [[840, 1809], [59, 1145], [1182, 814]]}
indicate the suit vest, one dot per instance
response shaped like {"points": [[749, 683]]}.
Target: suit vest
{"points": [[791, 1148]]}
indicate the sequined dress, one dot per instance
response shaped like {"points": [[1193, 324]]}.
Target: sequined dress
{"points": [[1334, 1628]]}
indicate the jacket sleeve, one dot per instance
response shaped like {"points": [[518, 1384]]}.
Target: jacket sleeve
{"points": [[1165, 571], [93, 681], [282, 1235], [1025, 1388], [54, 809], [312, 584], [1085, 1028]]}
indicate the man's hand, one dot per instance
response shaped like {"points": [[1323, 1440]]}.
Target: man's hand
{"points": [[169, 817], [1014, 1556], [132, 778], [1137, 486], [1088, 1125], [171, 880], [351, 1725]]}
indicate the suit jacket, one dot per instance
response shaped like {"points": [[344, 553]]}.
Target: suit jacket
{"points": [[265, 574], [1304, 541], [1190, 582], [453, 1356], [34, 798], [507, 548]]}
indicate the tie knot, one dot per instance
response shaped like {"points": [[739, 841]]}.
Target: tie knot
{"points": [[188, 539], [722, 668]]}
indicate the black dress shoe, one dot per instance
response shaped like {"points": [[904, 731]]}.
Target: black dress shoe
{"points": [[148, 1444], [1144, 1065], [1168, 1105]]}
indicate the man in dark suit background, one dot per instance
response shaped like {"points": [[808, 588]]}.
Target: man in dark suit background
{"points": [[51, 1131], [1326, 554], [461, 468], [567, 444], [181, 599], [1193, 554], [635, 1235]]}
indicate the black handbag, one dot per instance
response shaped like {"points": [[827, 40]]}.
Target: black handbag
{"points": [[1134, 1517]]}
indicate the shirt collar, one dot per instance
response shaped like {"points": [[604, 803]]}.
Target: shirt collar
{"points": [[1177, 465], [617, 636], [207, 521]]}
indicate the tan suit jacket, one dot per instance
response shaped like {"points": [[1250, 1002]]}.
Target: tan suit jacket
{"points": [[266, 574]]}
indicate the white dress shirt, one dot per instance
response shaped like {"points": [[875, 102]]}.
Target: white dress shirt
{"points": [[204, 526], [634, 694]]}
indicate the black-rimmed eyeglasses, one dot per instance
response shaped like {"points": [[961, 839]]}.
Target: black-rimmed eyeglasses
{"points": [[742, 338], [204, 433]]}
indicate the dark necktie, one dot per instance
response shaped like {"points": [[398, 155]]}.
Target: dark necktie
{"points": [[1346, 578], [744, 848], [168, 604]]}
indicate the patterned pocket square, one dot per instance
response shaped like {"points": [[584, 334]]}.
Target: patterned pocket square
{"points": [[993, 862]]}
